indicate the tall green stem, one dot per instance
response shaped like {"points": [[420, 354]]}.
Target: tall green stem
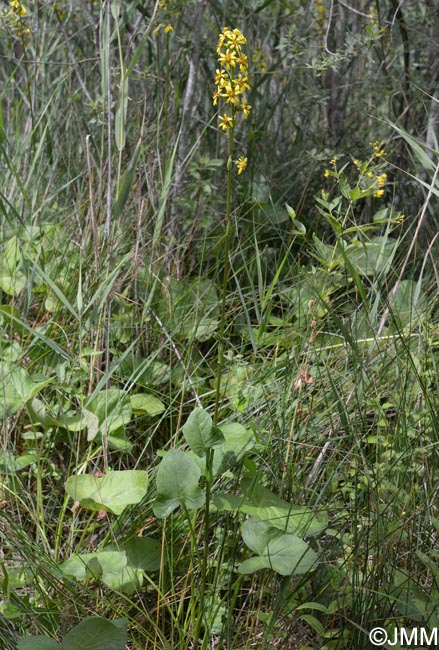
{"points": [[226, 273], [210, 452]]}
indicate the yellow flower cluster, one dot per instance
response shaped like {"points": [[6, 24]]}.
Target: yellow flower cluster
{"points": [[378, 151], [14, 20], [231, 79], [376, 181]]}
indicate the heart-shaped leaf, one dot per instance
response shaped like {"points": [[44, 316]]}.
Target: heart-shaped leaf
{"points": [[95, 633], [200, 433], [17, 387], [177, 484], [146, 403], [112, 492], [112, 408], [284, 554], [110, 566]]}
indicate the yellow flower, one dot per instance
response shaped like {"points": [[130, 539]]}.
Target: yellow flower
{"points": [[225, 122], [18, 8], [221, 78], [230, 94], [245, 108], [216, 96], [326, 173], [235, 38], [169, 29], [241, 164], [228, 58], [241, 83], [378, 194], [357, 162]]}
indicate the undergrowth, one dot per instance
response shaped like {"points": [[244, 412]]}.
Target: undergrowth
{"points": [[219, 412]]}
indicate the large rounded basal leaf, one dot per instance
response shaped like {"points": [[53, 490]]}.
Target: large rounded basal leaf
{"points": [[110, 566], [284, 554], [112, 492], [97, 633], [37, 643], [262, 504], [372, 257], [200, 433], [112, 408], [177, 484], [146, 403], [408, 304], [144, 553], [17, 387]]}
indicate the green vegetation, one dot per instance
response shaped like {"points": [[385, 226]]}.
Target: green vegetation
{"points": [[218, 323]]}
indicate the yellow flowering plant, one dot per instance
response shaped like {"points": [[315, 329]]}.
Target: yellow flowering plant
{"points": [[232, 82], [14, 19], [371, 177], [231, 85]]}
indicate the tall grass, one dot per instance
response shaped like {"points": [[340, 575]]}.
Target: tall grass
{"points": [[113, 245]]}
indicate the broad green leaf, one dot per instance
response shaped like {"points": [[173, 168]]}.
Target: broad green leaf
{"points": [[17, 387], [96, 633], [146, 403], [237, 440], [200, 433], [12, 280], [284, 554], [109, 566], [407, 303], [9, 464], [262, 504], [112, 408], [144, 553], [177, 484], [37, 643], [372, 257], [112, 492]]}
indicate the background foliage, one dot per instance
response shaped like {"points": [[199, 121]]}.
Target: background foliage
{"points": [[224, 437]]}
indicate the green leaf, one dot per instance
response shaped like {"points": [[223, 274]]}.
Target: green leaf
{"points": [[284, 554], [17, 387], [37, 643], [177, 484], [12, 280], [112, 408], [110, 566], [96, 633], [146, 403], [144, 553], [262, 504], [200, 434], [11, 464], [112, 492]]}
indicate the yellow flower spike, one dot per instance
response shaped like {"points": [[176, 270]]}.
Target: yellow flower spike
{"points": [[225, 122], [241, 164], [231, 83], [378, 194]]}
